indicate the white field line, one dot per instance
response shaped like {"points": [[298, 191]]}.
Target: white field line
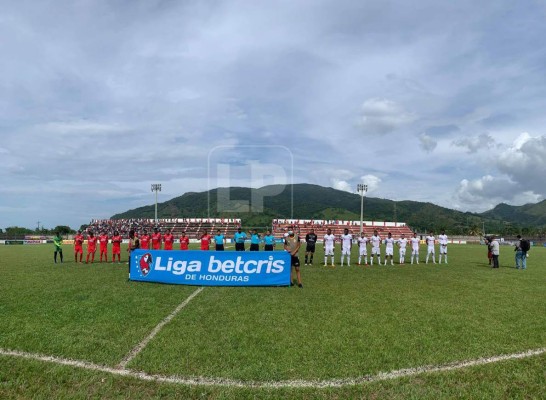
{"points": [[224, 382], [139, 347]]}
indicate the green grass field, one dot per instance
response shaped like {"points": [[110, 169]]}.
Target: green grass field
{"points": [[345, 324]]}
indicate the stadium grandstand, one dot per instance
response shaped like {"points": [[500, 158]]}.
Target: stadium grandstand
{"points": [[303, 226], [192, 226]]}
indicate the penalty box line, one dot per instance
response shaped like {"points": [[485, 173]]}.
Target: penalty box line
{"points": [[226, 382], [139, 347]]}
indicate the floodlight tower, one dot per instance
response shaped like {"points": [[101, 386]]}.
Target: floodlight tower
{"points": [[362, 189], [156, 187]]}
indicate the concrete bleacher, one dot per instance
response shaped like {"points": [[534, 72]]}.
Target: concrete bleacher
{"points": [[192, 226], [303, 226]]}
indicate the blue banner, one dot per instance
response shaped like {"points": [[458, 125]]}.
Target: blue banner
{"points": [[211, 268]]}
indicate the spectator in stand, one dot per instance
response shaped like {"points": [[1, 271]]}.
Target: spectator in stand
{"points": [[78, 246], [156, 239], [184, 241], [168, 239], [116, 247]]}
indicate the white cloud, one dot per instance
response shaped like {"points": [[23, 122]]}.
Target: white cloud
{"points": [[372, 181], [427, 143], [383, 116], [340, 184], [475, 143]]}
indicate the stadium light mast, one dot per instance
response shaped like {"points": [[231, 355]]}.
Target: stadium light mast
{"points": [[156, 187], [362, 189]]}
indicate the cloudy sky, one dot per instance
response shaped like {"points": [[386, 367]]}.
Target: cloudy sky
{"points": [[425, 100]]}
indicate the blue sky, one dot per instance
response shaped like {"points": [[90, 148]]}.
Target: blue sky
{"points": [[424, 100]]}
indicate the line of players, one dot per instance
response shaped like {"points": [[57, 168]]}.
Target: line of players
{"points": [[156, 239], [346, 240]]}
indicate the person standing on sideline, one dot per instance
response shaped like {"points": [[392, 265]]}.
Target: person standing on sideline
{"points": [[489, 254], [255, 241], [116, 247], [219, 241], [495, 251], [376, 250], [442, 239], [103, 246], [134, 244], [389, 248], [415, 242], [522, 247], [58, 242], [78, 246], [91, 247], [205, 240], [402, 243], [346, 244], [184, 241], [156, 239], [292, 245], [239, 239], [310, 240], [168, 239], [329, 242], [363, 248], [430, 247], [269, 241]]}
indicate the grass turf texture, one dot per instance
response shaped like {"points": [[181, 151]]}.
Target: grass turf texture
{"points": [[346, 322]]}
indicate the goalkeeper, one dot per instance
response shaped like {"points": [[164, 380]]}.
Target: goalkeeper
{"points": [[58, 241]]}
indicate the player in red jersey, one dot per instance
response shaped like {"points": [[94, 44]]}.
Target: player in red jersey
{"points": [[168, 239], [103, 241], [184, 241], [116, 247], [91, 247], [78, 246], [205, 240], [156, 239], [145, 240]]}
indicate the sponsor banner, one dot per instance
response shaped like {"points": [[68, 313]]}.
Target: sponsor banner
{"points": [[211, 268], [35, 237], [2, 242], [14, 241], [68, 241], [34, 241]]}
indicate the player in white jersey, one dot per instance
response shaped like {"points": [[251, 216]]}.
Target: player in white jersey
{"points": [[376, 251], [442, 239], [363, 248], [415, 242], [389, 248], [329, 241], [346, 243], [430, 247], [402, 243]]}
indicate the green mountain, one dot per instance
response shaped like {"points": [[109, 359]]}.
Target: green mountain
{"points": [[257, 207], [527, 214]]}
